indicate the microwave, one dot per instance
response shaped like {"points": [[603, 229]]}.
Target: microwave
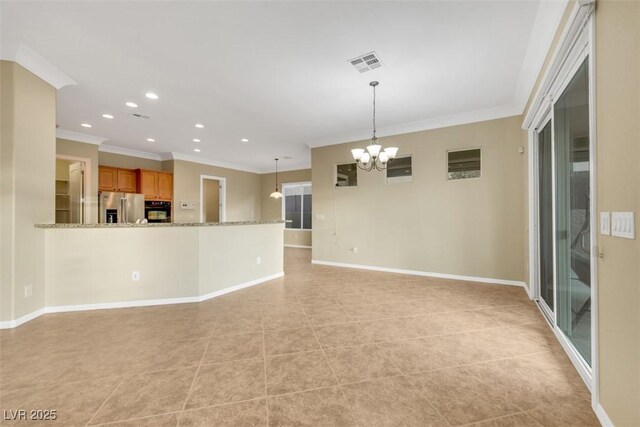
{"points": [[155, 211]]}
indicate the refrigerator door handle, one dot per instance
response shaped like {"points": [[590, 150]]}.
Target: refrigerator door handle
{"points": [[123, 210]]}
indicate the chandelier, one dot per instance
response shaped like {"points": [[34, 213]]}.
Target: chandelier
{"points": [[374, 157]]}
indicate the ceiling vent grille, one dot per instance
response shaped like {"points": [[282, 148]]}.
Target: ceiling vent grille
{"points": [[367, 62], [141, 116]]}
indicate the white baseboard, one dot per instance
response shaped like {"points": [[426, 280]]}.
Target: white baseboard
{"points": [[422, 273], [297, 246], [137, 303], [8, 324], [602, 416]]}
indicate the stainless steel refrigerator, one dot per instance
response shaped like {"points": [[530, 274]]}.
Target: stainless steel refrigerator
{"points": [[121, 207]]}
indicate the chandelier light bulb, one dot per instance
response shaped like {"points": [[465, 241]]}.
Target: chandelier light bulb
{"points": [[384, 157], [365, 158]]}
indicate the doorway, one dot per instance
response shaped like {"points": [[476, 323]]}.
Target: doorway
{"points": [[70, 187], [212, 198]]}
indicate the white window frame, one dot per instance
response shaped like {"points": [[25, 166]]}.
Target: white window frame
{"points": [[400, 179], [335, 174], [283, 208], [577, 42], [462, 149]]}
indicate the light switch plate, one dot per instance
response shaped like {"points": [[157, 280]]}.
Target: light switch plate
{"points": [[187, 205], [623, 225], [605, 223]]}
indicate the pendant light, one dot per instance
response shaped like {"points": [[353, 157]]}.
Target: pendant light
{"points": [[276, 194], [374, 157]]}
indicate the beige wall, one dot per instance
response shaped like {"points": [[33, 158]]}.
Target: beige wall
{"points": [[211, 200], [242, 191], [618, 189], [128, 162], [94, 265], [85, 151], [472, 227], [272, 208], [27, 186]]}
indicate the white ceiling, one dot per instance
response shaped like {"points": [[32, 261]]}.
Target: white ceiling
{"points": [[277, 72]]}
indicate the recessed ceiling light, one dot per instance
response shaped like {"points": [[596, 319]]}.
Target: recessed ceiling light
{"points": [[131, 105], [196, 140], [151, 95], [107, 116], [197, 150], [244, 140], [151, 140], [85, 125], [199, 126]]}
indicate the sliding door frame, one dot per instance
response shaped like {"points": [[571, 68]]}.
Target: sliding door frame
{"points": [[577, 43]]}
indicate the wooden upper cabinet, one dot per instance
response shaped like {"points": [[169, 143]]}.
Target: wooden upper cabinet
{"points": [[165, 186], [155, 185], [126, 181], [114, 179], [148, 183], [107, 179]]}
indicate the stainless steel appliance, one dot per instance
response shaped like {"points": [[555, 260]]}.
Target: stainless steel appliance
{"points": [[121, 207], [156, 211]]}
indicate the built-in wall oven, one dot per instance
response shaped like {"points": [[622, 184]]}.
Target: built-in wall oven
{"points": [[155, 211]]}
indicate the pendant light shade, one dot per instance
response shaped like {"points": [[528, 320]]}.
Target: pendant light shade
{"points": [[276, 194]]}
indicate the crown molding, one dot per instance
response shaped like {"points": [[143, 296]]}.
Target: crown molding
{"points": [[79, 137], [422, 125], [210, 162], [544, 28], [32, 61], [129, 152]]}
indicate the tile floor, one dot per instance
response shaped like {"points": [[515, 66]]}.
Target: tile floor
{"points": [[321, 346]]}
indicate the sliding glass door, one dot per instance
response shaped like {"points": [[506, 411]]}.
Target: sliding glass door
{"points": [[573, 206], [564, 214]]}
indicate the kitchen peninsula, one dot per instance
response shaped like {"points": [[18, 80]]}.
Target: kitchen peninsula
{"points": [[93, 266]]}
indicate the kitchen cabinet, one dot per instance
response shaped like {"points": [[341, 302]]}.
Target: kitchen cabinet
{"points": [[126, 180], [107, 179], [115, 179], [155, 185]]}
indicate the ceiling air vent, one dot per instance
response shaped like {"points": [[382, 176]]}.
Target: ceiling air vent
{"points": [[368, 61], [141, 116]]}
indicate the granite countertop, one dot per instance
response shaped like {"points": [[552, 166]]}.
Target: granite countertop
{"points": [[158, 225]]}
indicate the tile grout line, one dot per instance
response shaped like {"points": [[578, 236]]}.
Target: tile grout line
{"points": [[344, 395], [106, 399], [193, 381], [403, 375]]}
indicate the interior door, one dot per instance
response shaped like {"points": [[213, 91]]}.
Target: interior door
{"points": [[76, 192]]}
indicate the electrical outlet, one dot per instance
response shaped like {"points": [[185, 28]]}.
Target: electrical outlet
{"points": [[135, 276], [354, 250], [28, 290], [258, 260]]}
